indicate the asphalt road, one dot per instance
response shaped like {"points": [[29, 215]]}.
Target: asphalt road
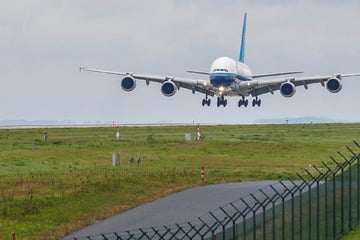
{"points": [[178, 208]]}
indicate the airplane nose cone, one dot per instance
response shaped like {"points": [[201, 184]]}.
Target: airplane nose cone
{"points": [[221, 79]]}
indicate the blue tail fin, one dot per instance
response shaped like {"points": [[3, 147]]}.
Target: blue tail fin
{"points": [[242, 46]]}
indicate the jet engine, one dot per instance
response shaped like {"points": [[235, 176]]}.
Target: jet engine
{"points": [[333, 85], [128, 83], [168, 88], [287, 89]]}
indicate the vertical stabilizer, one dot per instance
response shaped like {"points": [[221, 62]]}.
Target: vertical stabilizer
{"points": [[242, 45]]}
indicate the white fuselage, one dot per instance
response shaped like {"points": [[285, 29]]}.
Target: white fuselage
{"points": [[225, 72]]}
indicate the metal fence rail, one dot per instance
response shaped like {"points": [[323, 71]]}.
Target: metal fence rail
{"points": [[325, 204]]}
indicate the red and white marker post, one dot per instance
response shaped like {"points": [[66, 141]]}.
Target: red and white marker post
{"points": [[202, 176]]}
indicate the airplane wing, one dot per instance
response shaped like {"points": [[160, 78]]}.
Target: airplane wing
{"points": [[261, 87], [254, 87], [194, 85]]}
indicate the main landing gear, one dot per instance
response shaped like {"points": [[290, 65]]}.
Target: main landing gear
{"points": [[221, 101], [206, 101], [244, 102], [256, 101]]}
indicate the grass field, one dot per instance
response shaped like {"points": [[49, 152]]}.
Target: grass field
{"points": [[50, 188]]}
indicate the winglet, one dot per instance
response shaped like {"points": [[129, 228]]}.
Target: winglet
{"points": [[242, 45]]}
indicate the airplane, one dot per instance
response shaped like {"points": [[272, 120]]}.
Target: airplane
{"points": [[229, 77]]}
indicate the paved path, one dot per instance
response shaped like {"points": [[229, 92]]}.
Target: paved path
{"points": [[176, 208]]}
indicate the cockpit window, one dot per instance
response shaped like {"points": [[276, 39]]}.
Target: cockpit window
{"points": [[220, 70]]}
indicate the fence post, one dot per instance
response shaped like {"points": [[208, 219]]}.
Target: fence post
{"points": [[309, 201], [292, 191], [221, 223], [180, 229], [211, 228], [273, 200], [358, 189], [358, 184], [282, 196], [326, 203], [342, 194], [315, 179], [333, 172], [243, 214], [197, 231], [254, 208], [320, 177], [349, 187], [301, 188], [263, 205], [232, 218], [353, 159]]}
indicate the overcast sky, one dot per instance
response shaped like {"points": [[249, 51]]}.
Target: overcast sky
{"points": [[43, 43]]}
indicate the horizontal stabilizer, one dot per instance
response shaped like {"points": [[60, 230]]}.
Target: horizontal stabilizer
{"points": [[274, 74], [198, 72], [350, 75]]}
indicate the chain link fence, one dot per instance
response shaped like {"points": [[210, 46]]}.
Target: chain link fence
{"points": [[324, 204]]}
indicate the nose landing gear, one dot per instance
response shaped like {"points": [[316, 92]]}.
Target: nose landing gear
{"points": [[221, 101]]}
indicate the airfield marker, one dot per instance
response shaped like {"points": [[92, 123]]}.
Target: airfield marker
{"points": [[202, 174]]}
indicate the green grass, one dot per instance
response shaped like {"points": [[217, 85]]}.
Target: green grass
{"points": [[49, 189], [353, 235]]}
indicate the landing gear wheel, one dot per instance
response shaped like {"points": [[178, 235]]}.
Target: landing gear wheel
{"points": [[221, 101], [243, 101], [206, 101], [256, 101]]}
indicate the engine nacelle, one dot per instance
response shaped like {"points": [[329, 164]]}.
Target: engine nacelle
{"points": [[287, 89], [128, 83], [168, 88], [333, 85]]}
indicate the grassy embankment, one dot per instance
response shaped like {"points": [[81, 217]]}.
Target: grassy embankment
{"points": [[49, 189]]}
